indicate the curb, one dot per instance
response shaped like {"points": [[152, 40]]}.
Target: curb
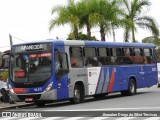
{"points": [[16, 106]]}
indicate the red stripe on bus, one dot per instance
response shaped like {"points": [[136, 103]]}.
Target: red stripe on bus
{"points": [[111, 82]]}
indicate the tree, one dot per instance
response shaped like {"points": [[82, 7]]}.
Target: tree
{"points": [[81, 36], [152, 39], [156, 41], [4, 73], [106, 16], [98, 15], [85, 10], [116, 13], [66, 15], [133, 12]]}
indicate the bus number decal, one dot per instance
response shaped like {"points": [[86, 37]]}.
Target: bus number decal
{"points": [[37, 89], [154, 69]]}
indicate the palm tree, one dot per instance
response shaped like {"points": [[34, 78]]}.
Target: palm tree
{"points": [[66, 15], [84, 11], [106, 15], [115, 14], [98, 15], [133, 13]]}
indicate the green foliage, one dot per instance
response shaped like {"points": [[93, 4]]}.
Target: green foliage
{"points": [[158, 55], [66, 15], [4, 74], [133, 13], [153, 40], [81, 36], [108, 15]]}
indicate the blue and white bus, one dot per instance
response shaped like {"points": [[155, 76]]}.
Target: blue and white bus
{"points": [[55, 70]]}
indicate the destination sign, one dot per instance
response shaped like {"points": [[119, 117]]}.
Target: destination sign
{"points": [[31, 47]]}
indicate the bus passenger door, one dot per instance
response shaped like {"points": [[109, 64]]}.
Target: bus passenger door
{"points": [[150, 67], [142, 76], [61, 75]]}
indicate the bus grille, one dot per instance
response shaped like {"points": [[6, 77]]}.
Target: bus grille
{"points": [[34, 96]]}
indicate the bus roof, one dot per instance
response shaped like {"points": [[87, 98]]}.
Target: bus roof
{"points": [[92, 43]]}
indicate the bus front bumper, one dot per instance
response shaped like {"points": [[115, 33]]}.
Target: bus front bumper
{"points": [[50, 95]]}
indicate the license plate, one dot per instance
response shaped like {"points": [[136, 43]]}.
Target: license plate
{"points": [[28, 99]]}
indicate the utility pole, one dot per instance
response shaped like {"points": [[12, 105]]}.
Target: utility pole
{"points": [[10, 38]]}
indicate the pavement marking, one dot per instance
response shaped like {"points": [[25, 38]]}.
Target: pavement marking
{"points": [[8, 118], [125, 118], [108, 109], [74, 118], [51, 118], [31, 118], [98, 118], [153, 118]]}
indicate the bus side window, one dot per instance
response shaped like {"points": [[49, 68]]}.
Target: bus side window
{"points": [[148, 56], [116, 56], [104, 56], [127, 56], [76, 57], [90, 57], [138, 56]]}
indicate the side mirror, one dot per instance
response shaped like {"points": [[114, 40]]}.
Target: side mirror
{"points": [[5, 60]]}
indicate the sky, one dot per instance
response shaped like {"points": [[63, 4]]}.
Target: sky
{"points": [[28, 20]]}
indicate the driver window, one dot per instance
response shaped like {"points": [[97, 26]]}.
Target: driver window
{"points": [[61, 63], [57, 62]]}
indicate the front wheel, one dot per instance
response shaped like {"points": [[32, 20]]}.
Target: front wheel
{"points": [[78, 96]]}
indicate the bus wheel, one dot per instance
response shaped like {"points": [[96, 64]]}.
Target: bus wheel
{"points": [[78, 95], [131, 87], [40, 103]]}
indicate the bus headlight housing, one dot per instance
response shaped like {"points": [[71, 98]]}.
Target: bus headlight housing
{"points": [[11, 89], [48, 87]]}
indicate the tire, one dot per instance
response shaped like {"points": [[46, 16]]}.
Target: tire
{"points": [[158, 85], [40, 103], [132, 89], [78, 95]]}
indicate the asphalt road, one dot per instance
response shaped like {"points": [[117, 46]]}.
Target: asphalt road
{"points": [[146, 99]]}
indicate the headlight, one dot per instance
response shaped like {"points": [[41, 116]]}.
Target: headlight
{"points": [[48, 87], [12, 91]]}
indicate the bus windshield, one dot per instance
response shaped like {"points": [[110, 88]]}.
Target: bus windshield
{"points": [[31, 67]]}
